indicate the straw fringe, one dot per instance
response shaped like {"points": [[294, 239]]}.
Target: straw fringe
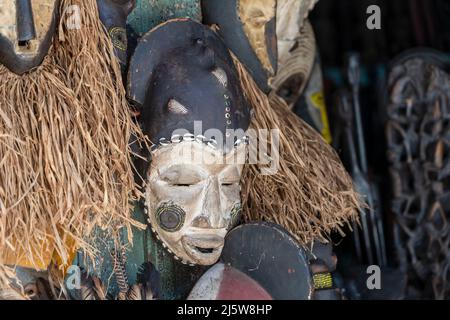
{"points": [[64, 147], [311, 194]]}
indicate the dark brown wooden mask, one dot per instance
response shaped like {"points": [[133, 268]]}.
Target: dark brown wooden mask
{"points": [[248, 27], [182, 72], [26, 32], [113, 14]]}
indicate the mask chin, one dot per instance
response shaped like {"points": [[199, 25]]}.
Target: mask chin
{"points": [[201, 249], [26, 33]]}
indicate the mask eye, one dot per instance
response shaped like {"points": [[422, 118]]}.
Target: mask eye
{"points": [[176, 107], [230, 182], [170, 217], [221, 76]]}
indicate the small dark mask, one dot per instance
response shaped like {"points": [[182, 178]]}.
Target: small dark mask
{"points": [[248, 27], [113, 14], [27, 29]]}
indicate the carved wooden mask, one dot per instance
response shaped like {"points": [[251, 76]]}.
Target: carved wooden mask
{"points": [[26, 32], [182, 74], [192, 204]]}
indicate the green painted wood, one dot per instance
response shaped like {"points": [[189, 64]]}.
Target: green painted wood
{"points": [[176, 279], [149, 13]]}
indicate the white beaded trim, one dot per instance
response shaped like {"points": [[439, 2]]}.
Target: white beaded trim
{"points": [[175, 139]]}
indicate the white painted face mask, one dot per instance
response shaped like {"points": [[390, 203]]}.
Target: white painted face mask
{"points": [[193, 199], [296, 44]]}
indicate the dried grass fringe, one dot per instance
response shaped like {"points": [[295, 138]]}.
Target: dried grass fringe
{"points": [[312, 194], [64, 147]]}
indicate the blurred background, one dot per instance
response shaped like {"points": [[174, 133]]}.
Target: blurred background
{"points": [[413, 42]]}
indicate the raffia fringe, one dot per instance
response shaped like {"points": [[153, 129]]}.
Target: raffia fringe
{"points": [[311, 194], [64, 148]]}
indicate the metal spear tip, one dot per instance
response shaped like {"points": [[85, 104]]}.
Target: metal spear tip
{"points": [[354, 71]]}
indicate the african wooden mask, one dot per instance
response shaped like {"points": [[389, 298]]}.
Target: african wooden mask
{"points": [[26, 32], [271, 38], [183, 77], [248, 27], [113, 14]]}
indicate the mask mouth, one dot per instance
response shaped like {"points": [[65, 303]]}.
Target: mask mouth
{"points": [[203, 249]]}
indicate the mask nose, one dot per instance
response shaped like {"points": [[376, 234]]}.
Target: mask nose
{"points": [[212, 216], [25, 22], [201, 222]]}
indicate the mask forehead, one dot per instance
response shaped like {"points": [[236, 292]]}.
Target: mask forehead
{"points": [[26, 32], [208, 160]]}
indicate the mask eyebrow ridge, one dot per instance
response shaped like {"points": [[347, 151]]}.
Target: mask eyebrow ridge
{"points": [[195, 170]]}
